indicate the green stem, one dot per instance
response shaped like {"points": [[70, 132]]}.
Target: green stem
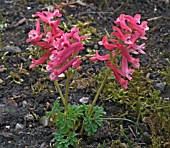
{"points": [[67, 89], [98, 92], [82, 130], [96, 98], [59, 90]]}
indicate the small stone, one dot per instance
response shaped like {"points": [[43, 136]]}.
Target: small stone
{"points": [[28, 8], [8, 127], [44, 121], [30, 125], [12, 49], [30, 57], [166, 99], [148, 76], [2, 68], [50, 8], [24, 103], [52, 142], [96, 46], [29, 117], [43, 145], [84, 100], [9, 1], [1, 81], [161, 86], [19, 126]]}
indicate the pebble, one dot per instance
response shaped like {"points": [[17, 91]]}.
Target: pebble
{"points": [[161, 86], [44, 121], [1, 81], [24, 103], [50, 8], [2, 68], [19, 126], [11, 49], [167, 99], [28, 8], [84, 100], [29, 117], [9, 1], [52, 142], [43, 145], [96, 46], [148, 75], [7, 126]]}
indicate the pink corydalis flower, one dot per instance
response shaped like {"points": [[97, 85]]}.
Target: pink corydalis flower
{"points": [[137, 49], [48, 17], [127, 72], [41, 60], [77, 63], [131, 24], [75, 35], [107, 45], [54, 75], [121, 21], [125, 53], [74, 48], [144, 25], [47, 41], [124, 37], [137, 17], [57, 58], [34, 35], [97, 57], [116, 72], [60, 48]]}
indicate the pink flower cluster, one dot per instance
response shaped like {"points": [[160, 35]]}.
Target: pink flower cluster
{"points": [[123, 44], [61, 48]]}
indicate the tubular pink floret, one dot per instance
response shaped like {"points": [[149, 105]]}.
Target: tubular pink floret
{"points": [[64, 67], [77, 63], [41, 60], [121, 81], [97, 57]]}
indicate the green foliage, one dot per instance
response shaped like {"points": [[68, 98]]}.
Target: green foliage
{"points": [[70, 122], [85, 30], [91, 122], [65, 141], [56, 109]]}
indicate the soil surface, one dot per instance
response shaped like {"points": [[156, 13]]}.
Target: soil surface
{"points": [[26, 95]]}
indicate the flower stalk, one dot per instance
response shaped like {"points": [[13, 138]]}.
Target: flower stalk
{"points": [[59, 91], [96, 98], [99, 91], [69, 73]]}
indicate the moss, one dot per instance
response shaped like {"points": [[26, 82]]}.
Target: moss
{"points": [[142, 99]]}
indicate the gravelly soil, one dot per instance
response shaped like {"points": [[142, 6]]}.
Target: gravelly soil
{"points": [[21, 109]]}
